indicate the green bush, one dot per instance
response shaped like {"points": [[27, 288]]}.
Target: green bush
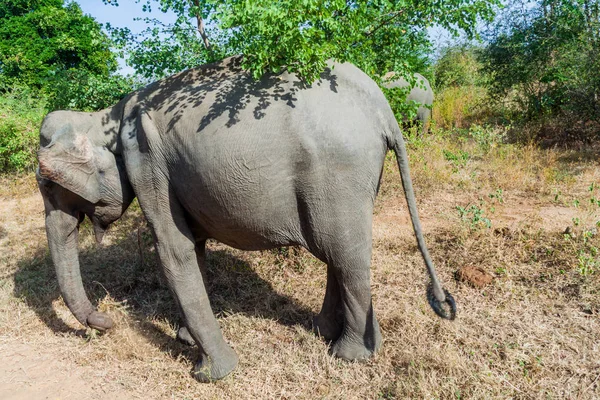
{"points": [[80, 90], [544, 67], [459, 107], [458, 66], [21, 113]]}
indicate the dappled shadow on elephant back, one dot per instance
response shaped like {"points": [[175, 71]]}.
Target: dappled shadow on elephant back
{"points": [[222, 89]]}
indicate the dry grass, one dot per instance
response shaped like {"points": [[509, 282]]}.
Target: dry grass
{"points": [[457, 107], [533, 333]]}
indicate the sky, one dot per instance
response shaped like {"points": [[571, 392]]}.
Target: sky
{"points": [[122, 16]]}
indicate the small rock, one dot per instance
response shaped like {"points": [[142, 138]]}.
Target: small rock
{"points": [[474, 276]]}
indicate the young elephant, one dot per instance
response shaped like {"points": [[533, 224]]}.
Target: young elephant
{"points": [[420, 93], [212, 153]]}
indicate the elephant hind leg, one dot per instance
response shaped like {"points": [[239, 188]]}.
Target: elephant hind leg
{"points": [[361, 336], [347, 315], [329, 323]]}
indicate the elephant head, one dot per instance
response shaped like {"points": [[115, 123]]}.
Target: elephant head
{"points": [[80, 173]]}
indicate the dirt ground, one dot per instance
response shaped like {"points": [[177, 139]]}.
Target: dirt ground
{"points": [[532, 332]]}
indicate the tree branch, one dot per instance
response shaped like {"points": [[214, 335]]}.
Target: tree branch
{"points": [[394, 15], [200, 24]]}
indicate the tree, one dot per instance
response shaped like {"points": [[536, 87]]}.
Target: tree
{"points": [[41, 38], [377, 35], [62, 53], [547, 59], [458, 65]]}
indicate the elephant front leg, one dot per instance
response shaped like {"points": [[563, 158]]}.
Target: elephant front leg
{"points": [[183, 334], [176, 249], [330, 321]]}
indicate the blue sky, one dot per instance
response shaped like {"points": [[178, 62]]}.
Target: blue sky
{"points": [[122, 16]]}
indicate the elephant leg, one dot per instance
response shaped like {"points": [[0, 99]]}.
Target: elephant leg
{"points": [[176, 250], [361, 336], [329, 322], [346, 247], [423, 117], [201, 258], [183, 334]]}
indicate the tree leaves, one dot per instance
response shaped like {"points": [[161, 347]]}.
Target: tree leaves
{"points": [[548, 57], [40, 38], [298, 35]]}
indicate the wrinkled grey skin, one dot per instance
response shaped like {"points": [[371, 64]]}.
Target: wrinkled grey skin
{"points": [[211, 153], [421, 93]]}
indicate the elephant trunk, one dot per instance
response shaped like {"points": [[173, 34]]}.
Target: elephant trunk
{"points": [[62, 229]]}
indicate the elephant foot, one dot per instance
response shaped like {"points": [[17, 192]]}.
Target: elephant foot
{"points": [[353, 347], [183, 336], [327, 327], [100, 321], [212, 369]]}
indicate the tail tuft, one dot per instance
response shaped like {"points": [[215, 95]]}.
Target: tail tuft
{"points": [[445, 309]]}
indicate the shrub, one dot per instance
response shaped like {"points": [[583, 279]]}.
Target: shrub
{"points": [[458, 107], [21, 113], [458, 66], [546, 62]]}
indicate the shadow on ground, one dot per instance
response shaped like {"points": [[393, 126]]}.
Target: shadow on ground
{"points": [[128, 271]]}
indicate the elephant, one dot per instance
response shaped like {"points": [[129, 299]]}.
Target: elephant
{"points": [[420, 93], [256, 164]]}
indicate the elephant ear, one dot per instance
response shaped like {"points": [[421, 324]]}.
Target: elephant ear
{"points": [[73, 162]]}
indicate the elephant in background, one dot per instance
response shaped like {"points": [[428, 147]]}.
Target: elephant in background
{"points": [[213, 153], [420, 93]]}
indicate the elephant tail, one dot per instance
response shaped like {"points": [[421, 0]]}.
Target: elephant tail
{"points": [[440, 299]]}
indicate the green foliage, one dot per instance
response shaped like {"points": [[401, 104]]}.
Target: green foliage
{"points": [[41, 38], [12, 8], [403, 110], [51, 56], [299, 36], [458, 159], [545, 60], [376, 36], [164, 49], [458, 66], [459, 106], [460, 87], [584, 242], [474, 215], [21, 113], [498, 195], [487, 137], [81, 90]]}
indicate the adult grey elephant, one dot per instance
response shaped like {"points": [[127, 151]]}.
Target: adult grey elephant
{"points": [[212, 153], [420, 93]]}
